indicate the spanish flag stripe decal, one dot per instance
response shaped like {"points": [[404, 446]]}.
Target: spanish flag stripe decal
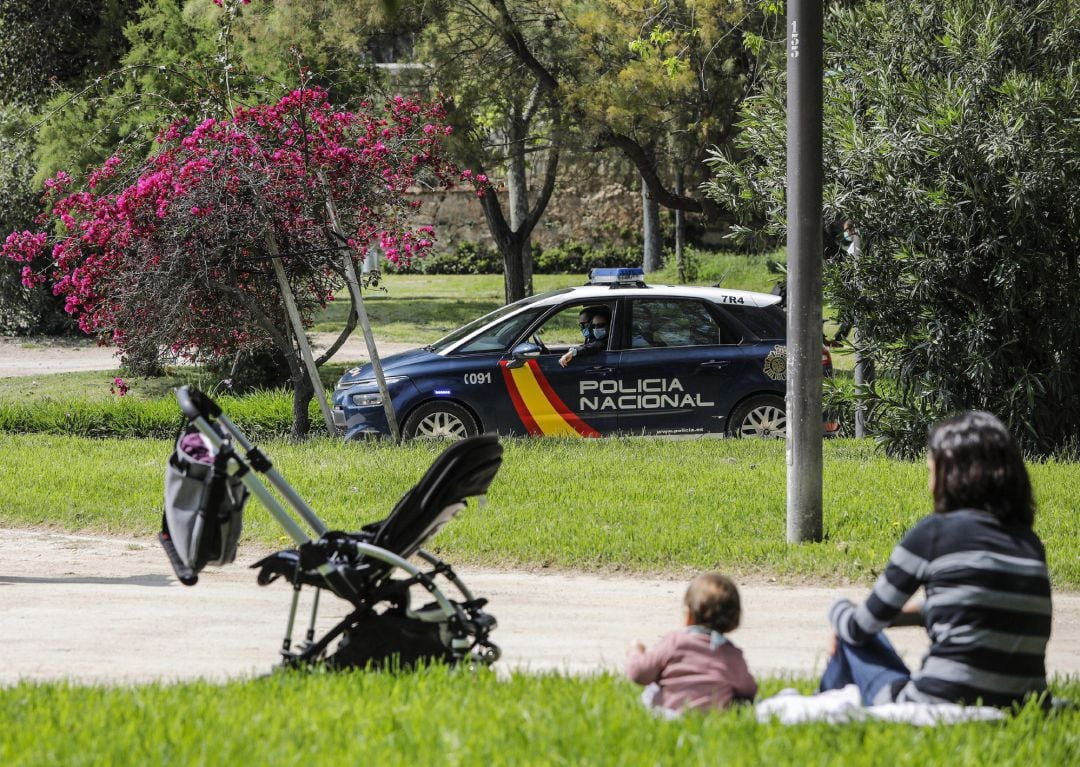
{"points": [[538, 406], [570, 417], [519, 405], [549, 420]]}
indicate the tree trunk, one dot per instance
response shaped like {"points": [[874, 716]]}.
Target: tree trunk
{"points": [[651, 229], [517, 185], [513, 269], [512, 236], [303, 393]]}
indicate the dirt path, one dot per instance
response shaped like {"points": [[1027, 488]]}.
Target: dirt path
{"points": [[105, 609], [23, 357]]}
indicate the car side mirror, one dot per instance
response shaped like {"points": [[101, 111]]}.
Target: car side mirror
{"points": [[525, 350]]}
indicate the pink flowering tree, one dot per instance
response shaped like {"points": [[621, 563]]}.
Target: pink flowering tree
{"points": [[169, 256]]}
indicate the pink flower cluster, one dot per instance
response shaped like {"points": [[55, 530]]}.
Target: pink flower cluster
{"points": [[479, 181], [197, 216]]}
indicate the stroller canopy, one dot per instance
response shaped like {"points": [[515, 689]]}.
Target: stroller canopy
{"points": [[464, 469]]}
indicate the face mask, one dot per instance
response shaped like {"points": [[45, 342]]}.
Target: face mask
{"points": [[599, 333], [847, 237], [585, 331]]}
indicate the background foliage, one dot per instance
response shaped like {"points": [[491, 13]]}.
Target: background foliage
{"points": [[952, 142]]}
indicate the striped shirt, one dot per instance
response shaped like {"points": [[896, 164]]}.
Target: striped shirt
{"points": [[987, 607]]}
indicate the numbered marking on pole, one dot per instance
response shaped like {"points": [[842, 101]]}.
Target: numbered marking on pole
{"points": [[793, 44]]}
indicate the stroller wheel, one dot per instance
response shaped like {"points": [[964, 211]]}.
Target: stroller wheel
{"points": [[440, 420], [490, 654]]}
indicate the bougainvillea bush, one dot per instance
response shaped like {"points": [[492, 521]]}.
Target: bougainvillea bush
{"points": [[169, 255]]}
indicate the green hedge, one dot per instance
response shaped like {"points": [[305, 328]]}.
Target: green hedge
{"points": [[568, 258], [260, 415]]}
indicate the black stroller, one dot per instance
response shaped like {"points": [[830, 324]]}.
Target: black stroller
{"points": [[207, 482]]}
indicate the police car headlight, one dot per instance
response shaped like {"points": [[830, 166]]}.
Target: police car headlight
{"points": [[373, 396]]}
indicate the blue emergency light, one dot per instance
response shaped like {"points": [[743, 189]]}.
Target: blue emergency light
{"points": [[617, 276]]}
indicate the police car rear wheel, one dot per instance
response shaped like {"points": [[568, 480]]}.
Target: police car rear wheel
{"points": [[440, 420], [763, 416]]}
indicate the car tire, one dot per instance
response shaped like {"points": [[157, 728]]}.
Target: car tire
{"points": [[440, 420], [763, 416]]}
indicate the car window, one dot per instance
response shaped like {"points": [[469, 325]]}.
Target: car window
{"points": [[658, 323], [563, 328], [498, 337], [769, 323], [503, 311]]}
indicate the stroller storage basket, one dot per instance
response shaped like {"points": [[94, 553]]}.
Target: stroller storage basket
{"points": [[204, 506], [373, 569]]}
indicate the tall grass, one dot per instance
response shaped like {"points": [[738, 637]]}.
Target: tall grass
{"points": [[639, 505], [438, 716]]}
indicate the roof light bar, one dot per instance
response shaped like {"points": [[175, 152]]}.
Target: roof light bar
{"points": [[617, 276]]}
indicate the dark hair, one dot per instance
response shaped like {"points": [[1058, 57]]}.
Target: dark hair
{"points": [[977, 465], [713, 602]]}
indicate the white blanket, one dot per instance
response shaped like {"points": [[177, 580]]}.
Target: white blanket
{"points": [[845, 705]]}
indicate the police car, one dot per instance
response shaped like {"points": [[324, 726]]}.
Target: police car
{"points": [[677, 361]]}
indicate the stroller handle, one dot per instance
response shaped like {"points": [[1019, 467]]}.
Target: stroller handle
{"points": [[194, 404]]}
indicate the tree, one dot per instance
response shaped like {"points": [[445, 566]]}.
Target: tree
{"points": [[660, 82], [951, 141], [175, 254], [656, 81], [508, 125], [534, 81], [22, 309], [44, 45]]}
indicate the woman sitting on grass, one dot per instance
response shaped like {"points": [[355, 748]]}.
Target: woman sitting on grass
{"points": [[987, 607]]}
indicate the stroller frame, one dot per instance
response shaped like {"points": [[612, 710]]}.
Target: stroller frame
{"points": [[358, 566]]}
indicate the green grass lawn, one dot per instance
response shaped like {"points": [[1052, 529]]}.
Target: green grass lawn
{"points": [[616, 505], [633, 505], [438, 716]]}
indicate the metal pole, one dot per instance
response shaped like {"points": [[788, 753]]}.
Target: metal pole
{"points": [[361, 314], [861, 380], [299, 334], [804, 402]]}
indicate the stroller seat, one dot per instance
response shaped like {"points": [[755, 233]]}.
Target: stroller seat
{"points": [[361, 567], [464, 470]]}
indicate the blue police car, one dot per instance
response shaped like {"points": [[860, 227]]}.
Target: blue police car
{"points": [[675, 361]]}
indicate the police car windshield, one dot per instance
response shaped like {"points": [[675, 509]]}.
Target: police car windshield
{"points": [[465, 331]]}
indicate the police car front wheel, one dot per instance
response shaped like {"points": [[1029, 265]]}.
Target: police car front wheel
{"points": [[440, 420], [763, 416]]}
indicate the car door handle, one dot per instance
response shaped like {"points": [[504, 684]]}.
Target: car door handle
{"points": [[712, 366], [600, 369]]}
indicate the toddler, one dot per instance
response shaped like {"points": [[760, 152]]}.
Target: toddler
{"points": [[697, 667]]}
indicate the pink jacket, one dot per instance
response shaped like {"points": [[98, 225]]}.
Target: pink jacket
{"points": [[690, 673]]}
